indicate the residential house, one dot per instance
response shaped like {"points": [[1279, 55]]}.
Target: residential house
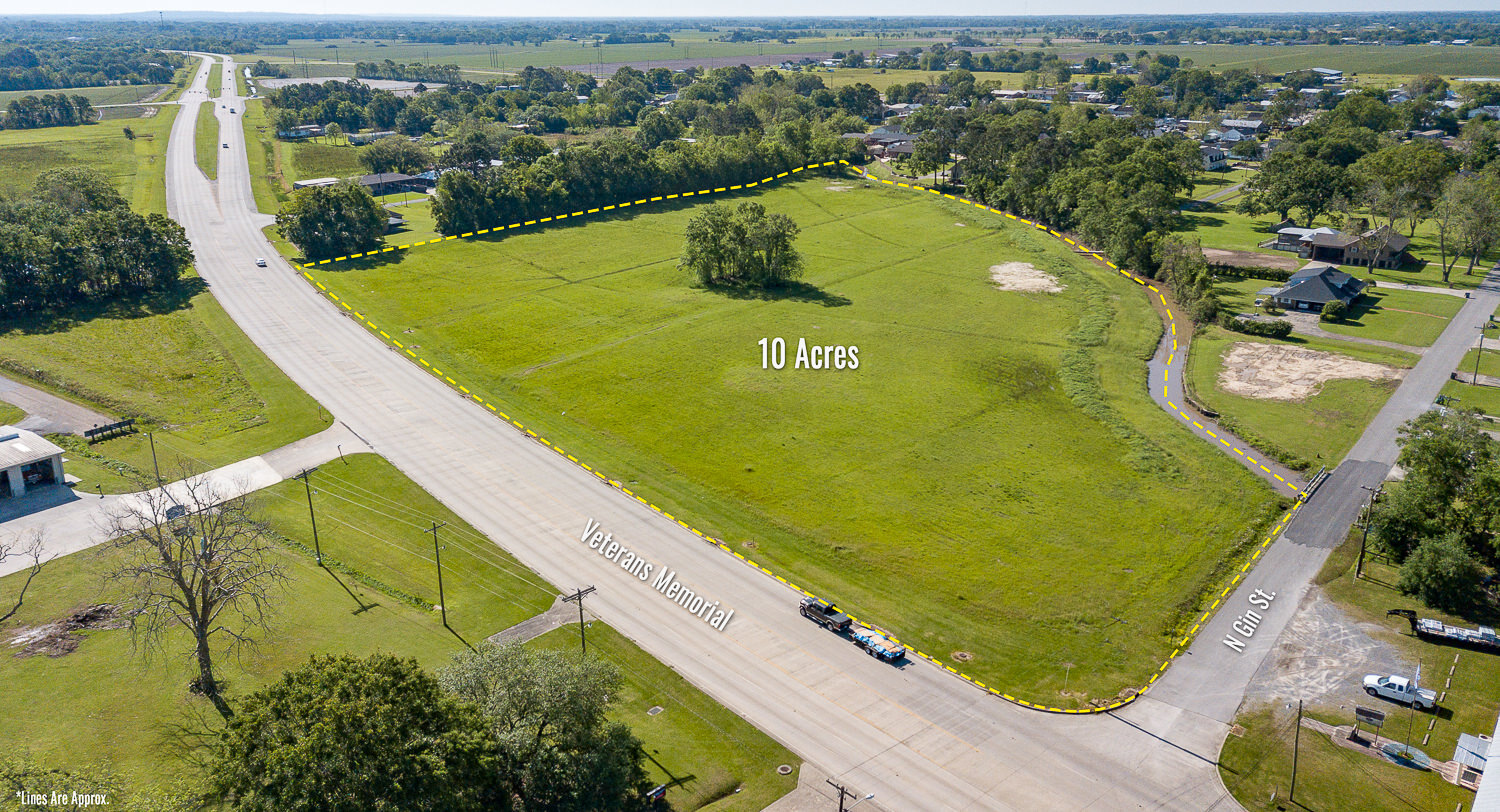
{"points": [[1008, 95], [1330, 76], [1042, 93], [1387, 246], [1491, 110], [388, 182], [360, 139], [1213, 157], [310, 131], [1243, 126], [1315, 285]]}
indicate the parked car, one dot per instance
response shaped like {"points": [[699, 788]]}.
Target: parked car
{"points": [[824, 614], [1399, 689]]}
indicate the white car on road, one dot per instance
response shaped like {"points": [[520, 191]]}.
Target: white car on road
{"points": [[1399, 689]]}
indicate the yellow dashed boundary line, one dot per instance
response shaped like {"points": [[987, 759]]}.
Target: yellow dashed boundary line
{"points": [[722, 546]]}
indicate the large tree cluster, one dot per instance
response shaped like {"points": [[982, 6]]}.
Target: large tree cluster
{"points": [[76, 239], [1440, 522], [332, 221], [49, 110], [742, 246]]}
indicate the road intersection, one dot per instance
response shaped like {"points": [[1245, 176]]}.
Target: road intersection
{"points": [[916, 736]]}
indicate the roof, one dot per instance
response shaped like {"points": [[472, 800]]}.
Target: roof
{"points": [[1472, 751], [1242, 122], [1336, 239], [384, 177], [1328, 71], [1320, 283], [1487, 799], [21, 447]]}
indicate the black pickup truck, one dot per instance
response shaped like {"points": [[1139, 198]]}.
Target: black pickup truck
{"points": [[825, 614]]}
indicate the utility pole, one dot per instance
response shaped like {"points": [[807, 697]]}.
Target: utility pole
{"points": [[1365, 536], [151, 436], [577, 597], [437, 550], [317, 548], [1296, 747], [845, 794]]}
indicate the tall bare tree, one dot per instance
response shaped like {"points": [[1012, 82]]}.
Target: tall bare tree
{"points": [[29, 545], [198, 558]]}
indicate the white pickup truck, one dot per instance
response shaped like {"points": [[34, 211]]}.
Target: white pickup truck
{"points": [[1399, 689]]}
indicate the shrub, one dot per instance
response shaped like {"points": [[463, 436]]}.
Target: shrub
{"points": [[1442, 573], [1264, 329], [1334, 310]]}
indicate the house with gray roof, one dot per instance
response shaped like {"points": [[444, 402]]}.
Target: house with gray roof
{"points": [[1315, 285]]}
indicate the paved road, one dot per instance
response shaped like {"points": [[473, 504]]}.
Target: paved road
{"points": [[917, 737], [47, 413], [1208, 682]]}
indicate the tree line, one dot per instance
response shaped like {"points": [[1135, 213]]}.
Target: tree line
{"points": [[49, 110], [416, 72], [42, 64], [76, 239]]}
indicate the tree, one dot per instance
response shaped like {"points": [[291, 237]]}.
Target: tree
{"points": [[655, 127], [1404, 181], [1291, 180], [1475, 202], [1333, 310], [78, 189], [1184, 267], [548, 711], [744, 246], [333, 132], [395, 155], [342, 734], [332, 221], [526, 149], [204, 563], [1443, 574], [32, 546]]}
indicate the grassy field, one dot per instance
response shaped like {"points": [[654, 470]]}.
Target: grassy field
{"points": [[1218, 226], [1209, 183], [137, 166], [1260, 761], [307, 159], [913, 489], [263, 150], [189, 373], [1361, 59], [103, 702], [1306, 434], [206, 144], [688, 44], [104, 94]]}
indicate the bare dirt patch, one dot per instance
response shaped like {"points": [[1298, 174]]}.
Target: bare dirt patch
{"points": [[837, 187], [1282, 372], [1250, 259], [60, 637], [1023, 277], [1322, 657]]}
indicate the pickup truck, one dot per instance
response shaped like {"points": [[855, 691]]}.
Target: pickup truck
{"points": [[1399, 689], [824, 614], [877, 645]]}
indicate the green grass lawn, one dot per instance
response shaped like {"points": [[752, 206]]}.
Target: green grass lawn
{"points": [[136, 166], [306, 159], [1303, 435], [103, 703], [189, 373], [1211, 182], [9, 414], [1260, 761], [722, 762], [206, 143], [935, 489]]}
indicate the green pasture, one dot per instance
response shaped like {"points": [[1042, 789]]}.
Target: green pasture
{"points": [[1303, 435], [101, 702], [992, 479], [136, 166], [103, 94]]}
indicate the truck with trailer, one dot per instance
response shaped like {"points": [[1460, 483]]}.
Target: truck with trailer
{"points": [[824, 614], [1436, 631], [877, 645]]}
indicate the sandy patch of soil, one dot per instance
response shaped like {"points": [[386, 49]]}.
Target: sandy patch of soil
{"points": [[1251, 259], [837, 187], [1282, 372], [1022, 276], [61, 637]]}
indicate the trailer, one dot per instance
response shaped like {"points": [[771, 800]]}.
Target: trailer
{"points": [[877, 645], [1436, 631]]}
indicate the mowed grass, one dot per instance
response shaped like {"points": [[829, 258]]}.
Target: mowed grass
{"points": [[206, 145], [137, 166], [1260, 761], [103, 703], [1304, 434], [174, 361], [1409, 317], [103, 94], [949, 488]]}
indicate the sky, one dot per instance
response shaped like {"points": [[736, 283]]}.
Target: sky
{"points": [[708, 8]]}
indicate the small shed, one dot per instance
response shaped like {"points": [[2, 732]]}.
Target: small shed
{"points": [[29, 460]]}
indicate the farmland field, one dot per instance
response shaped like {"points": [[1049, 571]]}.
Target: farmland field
{"points": [[104, 94], [954, 487], [136, 166]]}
